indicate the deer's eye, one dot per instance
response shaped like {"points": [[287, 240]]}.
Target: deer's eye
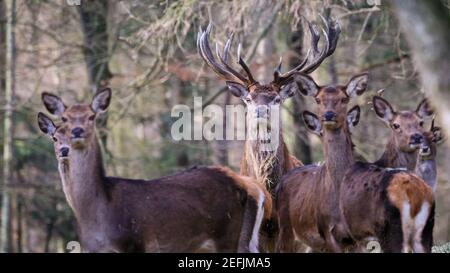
{"points": [[277, 100], [92, 117], [421, 124], [318, 100], [54, 139], [395, 126], [248, 99], [64, 119], [344, 100]]}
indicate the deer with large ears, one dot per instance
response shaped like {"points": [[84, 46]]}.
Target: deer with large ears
{"points": [[407, 133], [308, 197], [183, 212], [426, 166], [263, 101]]}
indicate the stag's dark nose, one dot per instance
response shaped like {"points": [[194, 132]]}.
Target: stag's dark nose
{"points": [[329, 116], [77, 132], [64, 151], [417, 138]]}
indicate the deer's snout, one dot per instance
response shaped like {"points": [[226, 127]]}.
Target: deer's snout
{"points": [[416, 139], [329, 116], [77, 132], [64, 151]]}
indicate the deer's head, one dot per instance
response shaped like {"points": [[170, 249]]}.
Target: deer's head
{"points": [[258, 97], [316, 124], [332, 100], [59, 135], [79, 119], [407, 126], [431, 138]]}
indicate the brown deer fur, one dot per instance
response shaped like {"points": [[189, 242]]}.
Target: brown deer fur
{"points": [[182, 212]]}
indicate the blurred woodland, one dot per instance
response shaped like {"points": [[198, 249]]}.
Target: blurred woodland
{"points": [[146, 51]]}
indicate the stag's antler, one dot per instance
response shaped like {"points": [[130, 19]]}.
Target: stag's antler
{"points": [[223, 69], [331, 34]]}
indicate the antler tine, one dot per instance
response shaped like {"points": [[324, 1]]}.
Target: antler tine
{"points": [[245, 67], [228, 67], [205, 52], [331, 32]]}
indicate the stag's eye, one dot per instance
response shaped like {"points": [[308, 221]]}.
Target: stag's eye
{"points": [[64, 119], [92, 117], [395, 126], [318, 100]]}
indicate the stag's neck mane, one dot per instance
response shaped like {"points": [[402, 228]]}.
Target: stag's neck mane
{"points": [[338, 153], [265, 165], [393, 157], [83, 180]]}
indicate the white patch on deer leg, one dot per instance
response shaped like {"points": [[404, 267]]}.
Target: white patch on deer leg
{"points": [[208, 246], [407, 227], [419, 224], [254, 242]]}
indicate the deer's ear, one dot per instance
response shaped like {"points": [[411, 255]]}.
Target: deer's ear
{"points": [[312, 123], [287, 91], [357, 85], [353, 116], [237, 89], [424, 109], [46, 124], [438, 136], [101, 100], [383, 109], [306, 84], [53, 103]]}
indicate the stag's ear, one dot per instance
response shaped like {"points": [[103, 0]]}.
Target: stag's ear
{"points": [[383, 109], [237, 89], [101, 100], [53, 103], [357, 85], [312, 122], [46, 124], [424, 109], [306, 84], [287, 91], [353, 116]]}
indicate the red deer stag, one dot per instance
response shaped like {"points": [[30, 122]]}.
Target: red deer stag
{"points": [[308, 197], [426, 166], [183, 212], [407, 133], [263, 100]]}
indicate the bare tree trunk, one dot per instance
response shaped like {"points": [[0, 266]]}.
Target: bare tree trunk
{"points": [[5, 228], [93, 16], [302, 148], [426, 26]]}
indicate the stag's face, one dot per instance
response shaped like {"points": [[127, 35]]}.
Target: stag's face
{"points": [[263, 101], [79, 119], [407, 126], [59, 135]]}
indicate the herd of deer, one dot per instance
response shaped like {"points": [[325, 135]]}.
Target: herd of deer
{"points": [[335, 206]]}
